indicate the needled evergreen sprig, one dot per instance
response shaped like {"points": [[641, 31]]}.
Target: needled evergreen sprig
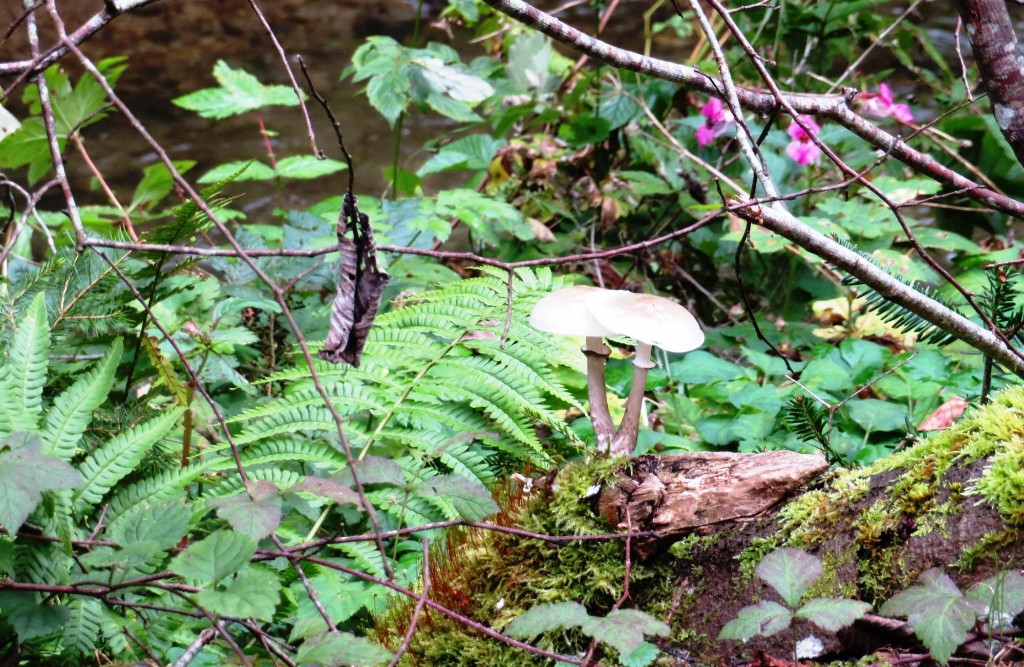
{"points": [[894, 314], [810, 422]]}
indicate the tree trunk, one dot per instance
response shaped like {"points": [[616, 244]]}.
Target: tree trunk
{"points": [[1000, 64]]}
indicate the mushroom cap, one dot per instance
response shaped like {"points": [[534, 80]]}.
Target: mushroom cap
{"points": [[646, 318], [568, 312]]}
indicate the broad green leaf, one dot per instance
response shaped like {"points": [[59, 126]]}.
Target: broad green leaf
{"points": [[340, 599], [253, 593], [335, 649], [833, 614], [790, 572], [29, 617], [389, 94], [460, 112], [109, 464], [163, 523], [307, 166], [763, 619], [547, 617], [645, 654], [257, 516], [699, 367], [241, 170], [470, 498], [452, 81], [374, 470], [939, 613], [874, 415], [25, 473], [156, 183], [26, 365], [239, 92], [529, 59], [624, 629], [998, 596], [473, 152], [135, 555], [72, 410], [327, 488], [214, 557]]}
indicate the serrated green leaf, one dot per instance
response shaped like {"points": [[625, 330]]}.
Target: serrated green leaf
{"points": [[389, 93], [339, 598], [257, 516], [833, 614], [790, 572], [939, 613], [253, 593], [106, 466], [29, 618], [214, 557], [470, 498], [547, 617], [335, 649], [162, 523], [72, 410], [307, 166], [763, 619], [26, 365], [643, 655], [241, 170], [374, 470], [135, 555], [624, 629], [25, 473], [1000, 595], [239, 92]]}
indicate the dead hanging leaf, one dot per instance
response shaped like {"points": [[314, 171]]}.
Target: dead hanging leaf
{"points": [[945, 415], [360, 284], [541, 231]]}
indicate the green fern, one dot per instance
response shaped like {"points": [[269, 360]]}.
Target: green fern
{"points": [[436, 381], [113, 461], [894, 314], [25, 368]]}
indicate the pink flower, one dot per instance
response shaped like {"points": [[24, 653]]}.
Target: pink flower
{"points": [[802, 150], [705, 135], [716, 123], [882, 104]]}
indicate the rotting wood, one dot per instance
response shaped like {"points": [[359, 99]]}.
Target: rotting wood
{"points": [[677, 494]]}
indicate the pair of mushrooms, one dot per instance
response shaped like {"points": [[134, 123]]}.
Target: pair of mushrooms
{"points": [[597, 313]]}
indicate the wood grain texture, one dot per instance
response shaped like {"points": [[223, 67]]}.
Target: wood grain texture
{"points": [[680, 493]]}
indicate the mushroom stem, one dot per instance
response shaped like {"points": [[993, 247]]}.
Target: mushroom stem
{"points": [[597, 354], [624, 441]]}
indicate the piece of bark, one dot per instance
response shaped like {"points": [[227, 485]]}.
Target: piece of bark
{"points": [[1000, 64], [680, 493]]}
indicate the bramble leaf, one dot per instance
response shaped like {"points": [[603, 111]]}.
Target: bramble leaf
{"points": [[832, 614], [790, 572], [763, 619], [939, 613], [340, 648], [254, 593], [215, 557], [257, 516], [25, 473], [470, 498]]}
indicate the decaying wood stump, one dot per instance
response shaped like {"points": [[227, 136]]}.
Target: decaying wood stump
{"points": [[683, 493]]}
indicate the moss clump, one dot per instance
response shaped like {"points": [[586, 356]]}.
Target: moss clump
{"points": [[494, 577]]}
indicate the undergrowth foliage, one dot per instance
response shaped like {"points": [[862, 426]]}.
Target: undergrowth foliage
{"points": [[440, 406]]}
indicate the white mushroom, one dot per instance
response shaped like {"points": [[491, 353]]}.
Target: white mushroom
{"points": [[596, 313], [649, 320], [566, 312]]}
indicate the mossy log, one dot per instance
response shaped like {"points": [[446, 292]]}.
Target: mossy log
{"points": [[954, 501]]}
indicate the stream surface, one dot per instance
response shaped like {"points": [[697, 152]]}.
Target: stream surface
{"points": [[172, 46]]}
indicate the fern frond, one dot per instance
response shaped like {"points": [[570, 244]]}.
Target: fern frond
{"points": [[81, 632], [72, 410], [153, 489], [25, 367], [106, 466], [896, 315]]}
